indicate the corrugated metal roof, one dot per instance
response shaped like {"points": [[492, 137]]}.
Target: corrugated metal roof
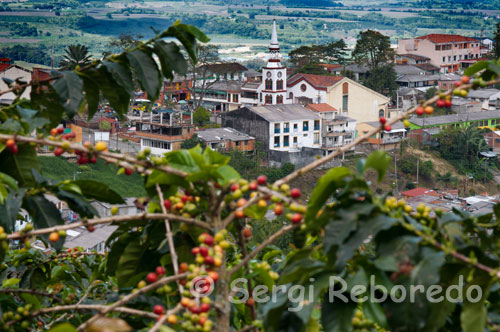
{"points": [[218, 134], [453, 118], [288, 112]]}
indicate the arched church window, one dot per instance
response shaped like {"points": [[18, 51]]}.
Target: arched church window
{"points": [[279, 85], [269, 99], [279, 99], [269, 84]]}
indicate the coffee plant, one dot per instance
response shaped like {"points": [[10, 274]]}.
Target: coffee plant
{"points": [[185, 264]]}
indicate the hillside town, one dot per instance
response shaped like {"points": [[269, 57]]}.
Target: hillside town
{"points": [[295, 117]]}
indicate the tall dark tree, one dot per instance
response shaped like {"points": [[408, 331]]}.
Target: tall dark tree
{"points": [[76, 55], [200, 72], [335, 51], [382, 79], [373, 49], [497, 42], [307, 55]]}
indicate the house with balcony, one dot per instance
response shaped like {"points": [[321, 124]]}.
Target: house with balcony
{"points": [[336, 130], [279, 127], [227, 139], [177, 89], [383, 140], [163, 132], [448, 52]]}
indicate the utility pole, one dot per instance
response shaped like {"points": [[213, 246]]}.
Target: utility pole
{"points": [[418, 162], [396, 171]]}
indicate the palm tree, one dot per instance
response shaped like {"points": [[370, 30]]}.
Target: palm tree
{"points": [[76, 55]]}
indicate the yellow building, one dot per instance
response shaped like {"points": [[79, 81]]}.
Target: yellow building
{"points": [[357, 101], [348, 97]]}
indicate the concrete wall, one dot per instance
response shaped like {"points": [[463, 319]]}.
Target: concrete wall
{"points": [[363, 104], [249, 123], [299, 158]]}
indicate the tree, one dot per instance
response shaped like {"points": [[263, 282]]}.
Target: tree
{"points": [[308, 55], [373, 49], [382, 79], [462, 146], [192, 142], [76, 55], [430, 92], [496, 49], [105, 125], [201, 116], [192, 233], [200, 72]]}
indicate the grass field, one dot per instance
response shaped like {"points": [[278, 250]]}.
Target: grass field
{"points": [[59, 169]]}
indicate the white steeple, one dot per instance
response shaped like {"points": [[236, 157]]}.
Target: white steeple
{"points": [[274, 38], [274, 74]]}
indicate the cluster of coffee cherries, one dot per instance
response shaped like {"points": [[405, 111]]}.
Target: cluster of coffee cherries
{"points": [[360, 323], [238, 190], [21, 314], [202, 275], [56, 134], [422, 211], [182, 204]]}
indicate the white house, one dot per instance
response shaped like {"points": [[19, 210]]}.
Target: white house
{"points": [[279, 127]]}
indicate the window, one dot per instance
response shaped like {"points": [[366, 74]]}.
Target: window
{"points": [[316, 124], [290, 95], [305, 126], [276, 128], [276, 141], [235, 98], [286, 127], [156, 144], [228, 97], [295, 127], [444, 59], [279, 99], [438, 47], [454, 58], [269, 84], [316, 138], [303, 87], [380, 113], [237, 143], [279, 85], [345, 99], [295, 139], [269, 99], [286, 140], [465, 57]]}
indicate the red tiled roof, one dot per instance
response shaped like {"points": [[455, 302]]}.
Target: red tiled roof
{"points": [[329, 65], [419, 192], [317, 81], [107, 120], [323, 107], [438, 38], [4, 66]]}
